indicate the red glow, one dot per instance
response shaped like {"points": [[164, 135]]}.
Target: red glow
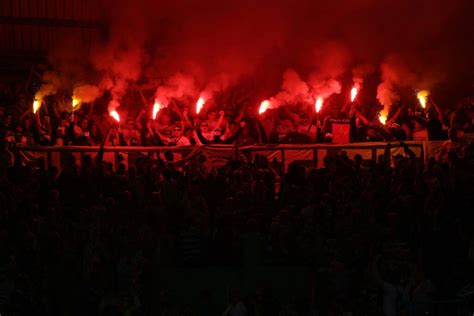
{"points": [[264, 106], [354, 93], [200, 104], [115, 115], [319, 104], [156, 109]]}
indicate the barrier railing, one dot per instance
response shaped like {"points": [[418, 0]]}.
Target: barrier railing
{"points": [[311, 154]]}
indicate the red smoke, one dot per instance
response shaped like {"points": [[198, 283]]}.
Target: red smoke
{"points": [[185, 49]]}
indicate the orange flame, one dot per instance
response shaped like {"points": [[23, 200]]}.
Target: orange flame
{"points": [[423, 97], [354, 93], [383, 118], [264, 106], [156, 109], [319, 104], [75, 102], [115, 115], [36, 105], [200, 104]]}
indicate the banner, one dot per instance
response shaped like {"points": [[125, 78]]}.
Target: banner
{"points": [[310, 155]]}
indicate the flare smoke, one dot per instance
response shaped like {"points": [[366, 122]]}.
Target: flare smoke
{"points": [[220, 42]]}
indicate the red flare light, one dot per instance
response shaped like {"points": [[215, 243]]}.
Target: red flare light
{"points": [[115, 115], [264, 106], [200, 104], [156, 109], [423, 97], [36, 105], [319, 104], [354, 93]]}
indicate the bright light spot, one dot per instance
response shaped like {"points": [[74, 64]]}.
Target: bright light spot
{"points": [[156, 109], [115, 115], [354, 93], [423, 97], [200, 104], [36, 105], [75, 103], [264, 106], [319, 104]]}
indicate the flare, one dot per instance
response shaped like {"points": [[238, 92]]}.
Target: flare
{"points": [[115, 115], [75, 103], [423, 97], [319, 104], [354, 92], [264, 106], [156, 109], [36, 105], [200, 104]]}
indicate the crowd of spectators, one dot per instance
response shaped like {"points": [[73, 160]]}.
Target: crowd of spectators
{"points": [[380, 237], [178, 124], [392, 236]]}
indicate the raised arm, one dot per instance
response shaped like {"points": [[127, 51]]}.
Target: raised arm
{"points": [[139, 118], [201, 138], [121, 138], [294, 116], [241, 115], [261, 131], [234, 137], [438, 111], [219, 122], [142, 96], [395, 117], [177, 110], [407, 150], [156, 136], [55, 111], [28, 111], [346, 106], [186, 118], [362, 118], [100, 155]]}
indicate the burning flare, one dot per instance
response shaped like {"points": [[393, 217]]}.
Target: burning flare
{"points": [[156, 109], [383, 118], [75, 103], [264, 106], [200, 104], [354, 92], [36, 105], [319, 104], [423, 97], [115, 115]]}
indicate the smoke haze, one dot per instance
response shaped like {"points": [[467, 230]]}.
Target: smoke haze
{"points": [[210, 45]]}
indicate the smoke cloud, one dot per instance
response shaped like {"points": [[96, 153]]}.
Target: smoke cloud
{"points": [[360, 72], [176, 87], [293, 90], [190, 47], [49, 86], [86, 93]]}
